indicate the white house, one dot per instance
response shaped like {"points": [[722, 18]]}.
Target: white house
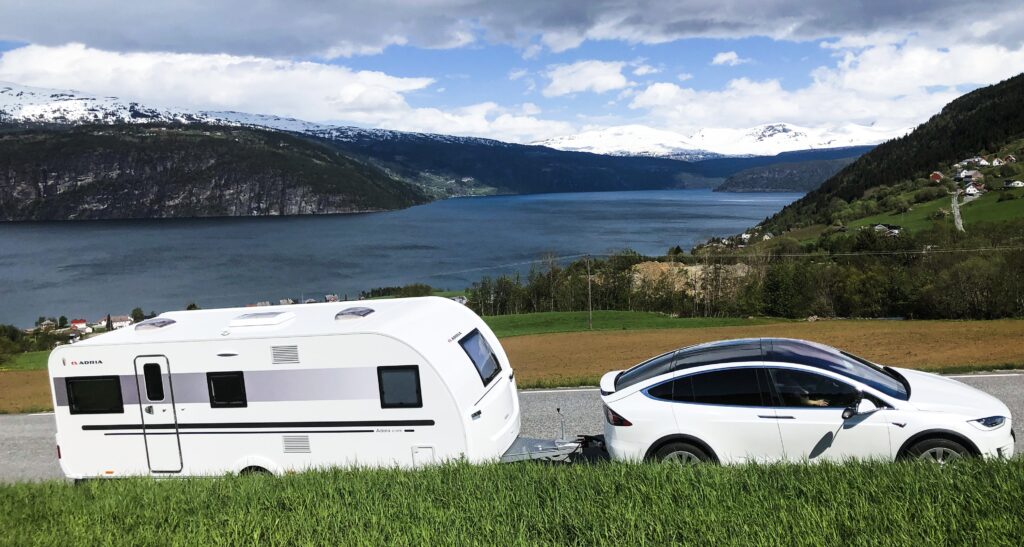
{"points": [[971, 190], [1014, 184], [120, 321]]}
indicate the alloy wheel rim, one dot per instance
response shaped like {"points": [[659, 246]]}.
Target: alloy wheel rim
{"points": [[940, 455], [682, 457]]}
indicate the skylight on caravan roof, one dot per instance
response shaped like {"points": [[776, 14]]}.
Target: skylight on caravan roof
{"points": [[353, 313], [261, 319], [155, 323]]}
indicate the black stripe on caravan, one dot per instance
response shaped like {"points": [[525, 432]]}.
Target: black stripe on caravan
{"points": [[247, 432], [260, 425]]}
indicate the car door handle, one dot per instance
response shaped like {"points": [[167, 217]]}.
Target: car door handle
{"points": [[776, 417], [149, 409]]}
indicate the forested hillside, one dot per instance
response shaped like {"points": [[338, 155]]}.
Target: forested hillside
{"points": [[784, 177], [979, 122], [160, 171]]}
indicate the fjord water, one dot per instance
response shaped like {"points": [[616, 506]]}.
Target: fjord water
{"points": [[88, 269]]}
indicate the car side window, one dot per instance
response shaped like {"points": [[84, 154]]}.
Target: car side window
{"points": [[733, 387], [798, 388]]}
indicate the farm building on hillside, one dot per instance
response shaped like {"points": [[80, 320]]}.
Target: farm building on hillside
{"points": [[936, 176], [1013, 184], [891, 230], [1010, 158]]}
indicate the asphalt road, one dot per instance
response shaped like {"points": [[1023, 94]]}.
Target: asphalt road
{"points": [[27, 450]]}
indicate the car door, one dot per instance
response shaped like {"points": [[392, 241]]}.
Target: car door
{"points": [[810, 417], [730, 409]]}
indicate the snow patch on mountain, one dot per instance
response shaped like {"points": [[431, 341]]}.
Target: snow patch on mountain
{"points": [[762, 140]]}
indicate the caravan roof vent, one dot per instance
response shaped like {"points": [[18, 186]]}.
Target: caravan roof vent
{"points": [[353, 313], [155, 323], [261, 319]]}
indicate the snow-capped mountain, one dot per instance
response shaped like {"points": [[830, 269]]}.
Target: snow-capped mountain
{"points": [[762, 140], [40, 105], [631, 140], [20, 103]]}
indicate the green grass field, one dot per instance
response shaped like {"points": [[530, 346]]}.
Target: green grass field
{"points": [[986, 208], [540, 323], [33, 360], [968, 503]]}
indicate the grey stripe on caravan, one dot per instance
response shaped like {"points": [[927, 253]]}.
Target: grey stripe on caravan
{"points": [[317, 384]]}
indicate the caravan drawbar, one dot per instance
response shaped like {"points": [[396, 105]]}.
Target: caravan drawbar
{"points": [[403, 382]]}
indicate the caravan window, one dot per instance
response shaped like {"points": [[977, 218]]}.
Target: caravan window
{"points": [[400, 387], [154, 382], [227, 389], [95, 395], [482, 355]]}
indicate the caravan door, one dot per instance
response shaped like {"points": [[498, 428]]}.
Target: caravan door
{"points": [[159, 419]]}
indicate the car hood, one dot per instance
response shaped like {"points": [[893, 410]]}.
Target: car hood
{"points": [[931, 392]]}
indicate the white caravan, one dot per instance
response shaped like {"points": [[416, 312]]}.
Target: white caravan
{"points": [[401, 382]]}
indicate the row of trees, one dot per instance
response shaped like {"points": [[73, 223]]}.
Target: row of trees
{"points": [[939, 273]]}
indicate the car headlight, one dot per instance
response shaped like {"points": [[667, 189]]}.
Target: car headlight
{"points": [[987, 424]]}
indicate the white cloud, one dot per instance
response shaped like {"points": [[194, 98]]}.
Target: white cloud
{"points": [[888, 87], [305, 90], [591, 75], [530, 109], [517, 73], [730, 58], [683, 76], [645, 70]]}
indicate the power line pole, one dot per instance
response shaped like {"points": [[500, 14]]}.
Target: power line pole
{"points": [[590, 302]]}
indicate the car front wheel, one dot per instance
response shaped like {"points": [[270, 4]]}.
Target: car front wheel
{"points": [[938, 451], [681, 453]]}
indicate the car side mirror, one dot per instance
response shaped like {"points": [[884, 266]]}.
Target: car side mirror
{"points": [[861, 406]]}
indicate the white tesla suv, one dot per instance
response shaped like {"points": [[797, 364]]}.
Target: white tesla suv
{"points": [[792, 400]]}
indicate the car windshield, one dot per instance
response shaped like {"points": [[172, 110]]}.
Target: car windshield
{"points": [[840, 362]]}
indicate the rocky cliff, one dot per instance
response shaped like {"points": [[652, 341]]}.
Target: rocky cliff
{"points": [[162, 171]]}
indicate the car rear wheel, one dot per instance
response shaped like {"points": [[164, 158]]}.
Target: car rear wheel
{"points": [[938, 451], [681, 453]]}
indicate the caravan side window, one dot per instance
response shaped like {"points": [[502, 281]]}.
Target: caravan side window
{"points": [[227, 389], [94, 395], [400, 387], [482, 355]]}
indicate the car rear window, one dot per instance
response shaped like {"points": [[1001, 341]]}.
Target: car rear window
{"points": [[731, 351], [482, 356]]}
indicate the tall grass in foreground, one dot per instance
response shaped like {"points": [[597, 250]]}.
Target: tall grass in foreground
{"points": [[970, 503]]}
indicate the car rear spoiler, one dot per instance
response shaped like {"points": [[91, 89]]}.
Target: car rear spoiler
{"points": [[608, 382]]}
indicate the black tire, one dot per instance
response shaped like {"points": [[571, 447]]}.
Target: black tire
{"points": [[254, 470], [681, 453], [938, 451]]}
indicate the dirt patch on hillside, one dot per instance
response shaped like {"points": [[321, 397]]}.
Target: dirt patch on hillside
{"points": [[24, 391], [911, 344]]}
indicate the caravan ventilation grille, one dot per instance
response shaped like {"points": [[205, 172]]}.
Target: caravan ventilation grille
{"points": [[296, 444], [285, 355], [353, 313]]}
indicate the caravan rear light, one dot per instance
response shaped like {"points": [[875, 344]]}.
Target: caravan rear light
{"points": [[614, 418]]}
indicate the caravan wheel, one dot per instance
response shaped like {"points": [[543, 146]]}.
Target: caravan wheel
{"points": [[254, 470]]}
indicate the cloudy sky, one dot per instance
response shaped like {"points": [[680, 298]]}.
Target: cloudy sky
{"points": [[523, 70]]}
